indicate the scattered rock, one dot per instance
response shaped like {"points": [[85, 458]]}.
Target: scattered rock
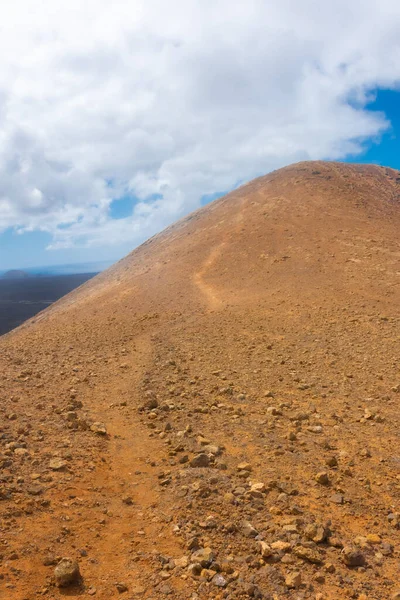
{"points": [[67, 573], [219, 581], [127, 500], [57, 464], [181, 562], [281, 546], [353, 557], [244, 466], [248, 530], [316, 533], [203, 556], [322, 478], [293, 580], [200, 461], [99, 428], [308, 554], [266, 550], [337, 498]]}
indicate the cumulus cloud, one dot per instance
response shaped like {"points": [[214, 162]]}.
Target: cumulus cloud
{"points": [[170, 101]]}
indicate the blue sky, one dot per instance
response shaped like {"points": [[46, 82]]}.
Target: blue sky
{"points": [[386, 151], [114, 126]]}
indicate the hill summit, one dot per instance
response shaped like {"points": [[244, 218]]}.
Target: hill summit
{"points": [[216, 416]]}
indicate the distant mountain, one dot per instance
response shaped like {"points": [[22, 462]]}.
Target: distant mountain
{"points": [[15, 274], [50, 270], [70, 269]]}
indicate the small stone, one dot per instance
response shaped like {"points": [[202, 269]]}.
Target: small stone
{"points": [[315, 429], [35, 490], [322, 478], [57, 464], [373, 538], [203, 556], [281, 546], [331, 461], [291, 528], [121, 587], [67, 572], [386, 549], [219, 581], [21, 451], [368, 414], [266, 550], [195, 569], [181, 562], [71, 415], [244, 466], [319, 577], [127, 500], [316, 533], [258, 487], [248, 530], [49, 560], [308, 554], [200, 461], [287, 559], [99, 428], [353, 557], [138, 591], [165, 575], [203, 441], [193, 543], [337, 498], [150, 404], [293, 580]]}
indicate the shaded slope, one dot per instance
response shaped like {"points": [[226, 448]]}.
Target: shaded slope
{"points": [[265, 323]]}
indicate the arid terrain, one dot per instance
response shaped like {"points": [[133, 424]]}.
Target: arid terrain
{"points": [[217, 415]]}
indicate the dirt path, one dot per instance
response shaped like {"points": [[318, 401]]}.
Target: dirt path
{"points": [[207, 290], [214, 297], [137, 530]]}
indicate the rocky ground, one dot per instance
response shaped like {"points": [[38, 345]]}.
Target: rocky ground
{"points": [[217, 416]]}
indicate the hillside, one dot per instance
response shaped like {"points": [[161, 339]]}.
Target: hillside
{"points": [[216, 416]]}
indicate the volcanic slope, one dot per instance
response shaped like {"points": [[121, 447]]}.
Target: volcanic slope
{"points": [[217, 416]]}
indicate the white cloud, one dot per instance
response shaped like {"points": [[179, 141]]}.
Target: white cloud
{"points": [[176, 99]]}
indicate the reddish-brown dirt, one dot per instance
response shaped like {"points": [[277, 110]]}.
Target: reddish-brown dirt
{"points": [[262, 329]]}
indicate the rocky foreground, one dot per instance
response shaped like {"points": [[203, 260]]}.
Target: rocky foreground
{"points": [[217, 417]]}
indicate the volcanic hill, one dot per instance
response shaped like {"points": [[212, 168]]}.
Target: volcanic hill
{"points": [[217, 415]]}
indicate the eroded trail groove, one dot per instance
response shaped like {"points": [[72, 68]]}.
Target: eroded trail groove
{"points": [[216, 417]]}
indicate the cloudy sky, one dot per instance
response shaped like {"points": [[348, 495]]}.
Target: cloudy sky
{"points": [[117, 118]]}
